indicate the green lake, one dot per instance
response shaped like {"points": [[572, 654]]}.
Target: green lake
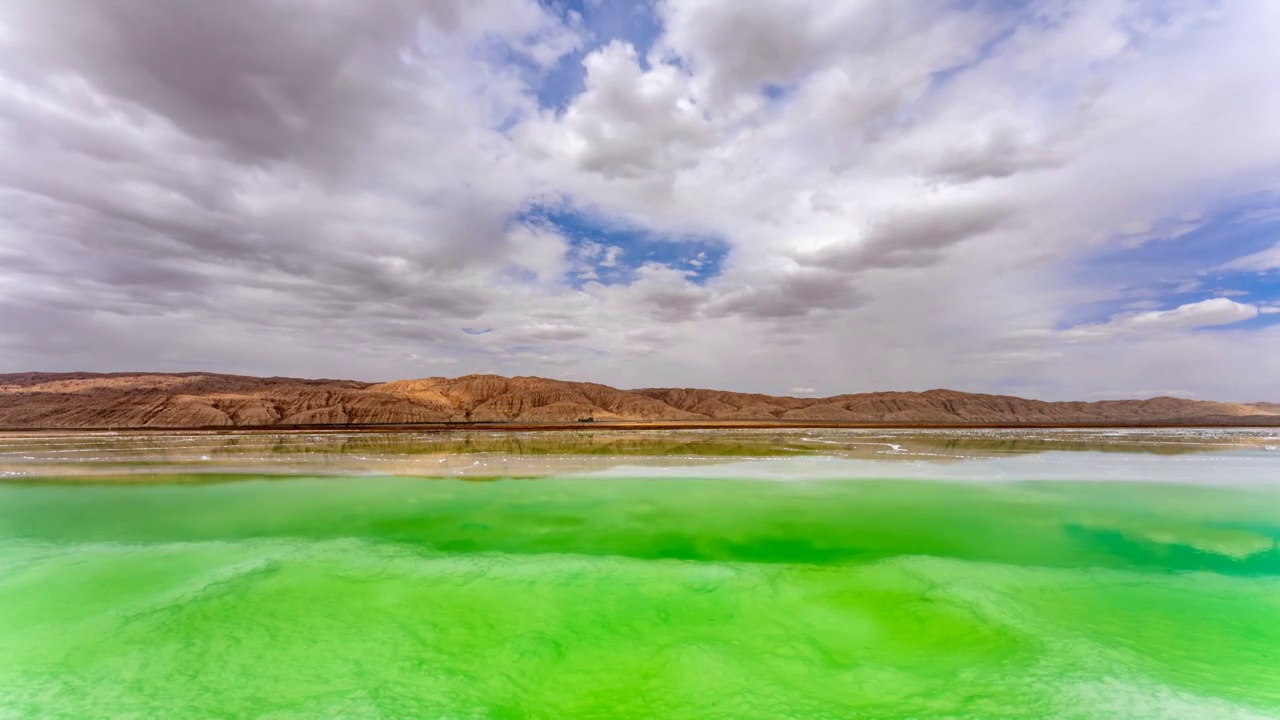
{"points": [[677, 574]]}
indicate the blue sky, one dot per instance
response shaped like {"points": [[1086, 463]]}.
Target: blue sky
{"points": [[1182, 261], [632, 21], [611, 251]]}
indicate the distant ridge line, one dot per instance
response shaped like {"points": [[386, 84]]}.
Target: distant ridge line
{"points": [[81, 400]]}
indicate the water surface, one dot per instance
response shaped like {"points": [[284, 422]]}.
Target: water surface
{"points": [[801, 574]]}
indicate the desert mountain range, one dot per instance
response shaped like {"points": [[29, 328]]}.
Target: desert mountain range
{"points": [[194, 400]]}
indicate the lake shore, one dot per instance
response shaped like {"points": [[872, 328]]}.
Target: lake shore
{"points": [[1248, 422]]}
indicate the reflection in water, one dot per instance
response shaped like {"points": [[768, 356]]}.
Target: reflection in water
{"points": [[531, 454]]}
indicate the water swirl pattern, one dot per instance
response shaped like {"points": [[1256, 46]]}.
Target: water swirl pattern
{"points": [[717, 574]]}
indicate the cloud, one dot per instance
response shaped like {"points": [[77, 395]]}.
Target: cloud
{"points": [[789, 294], [628, 122], [872, 195], [910, 237], [1260, 261], [1206, 313], [540, 250], [740, 47], [266, 79], [611, 255], [254, 166]]}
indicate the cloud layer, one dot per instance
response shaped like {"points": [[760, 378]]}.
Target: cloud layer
{"points": [[817, 196]]}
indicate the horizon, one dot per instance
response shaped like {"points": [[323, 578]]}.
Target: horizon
{"points": [[1055, 200]]}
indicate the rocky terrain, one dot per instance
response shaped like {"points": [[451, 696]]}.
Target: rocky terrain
{"points": [[192, 400]]}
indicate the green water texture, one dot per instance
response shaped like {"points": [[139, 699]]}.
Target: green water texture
{"points": [[385, 597]]}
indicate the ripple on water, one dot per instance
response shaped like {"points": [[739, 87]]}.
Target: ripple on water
{"points": [[635, 597]]}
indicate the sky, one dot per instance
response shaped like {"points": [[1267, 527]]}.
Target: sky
{"points": [[1061, 199]]}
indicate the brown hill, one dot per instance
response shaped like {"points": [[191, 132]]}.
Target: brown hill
{"points": [[156, 400]]}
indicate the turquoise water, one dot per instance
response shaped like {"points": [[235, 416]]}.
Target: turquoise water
{"points": [[775, 582]]}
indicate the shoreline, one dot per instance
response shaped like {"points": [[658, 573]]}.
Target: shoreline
{"points": [[641, 425]]}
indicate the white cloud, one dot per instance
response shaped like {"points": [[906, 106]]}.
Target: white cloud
{"points": [[611, 255], [627, 123], [1206, 313], [540, 250], [1260, 261]]}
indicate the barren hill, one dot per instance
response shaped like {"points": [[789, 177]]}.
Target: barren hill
{"points": [[156, 400]]}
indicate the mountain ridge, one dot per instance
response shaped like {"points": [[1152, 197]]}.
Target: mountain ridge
{"points": [[199, 400]]}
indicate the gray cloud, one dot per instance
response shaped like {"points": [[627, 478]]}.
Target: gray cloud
{"points": [[793, 294], [198, 158], [914, 238], [744, 46], [1000, 154], [268, 80]]}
